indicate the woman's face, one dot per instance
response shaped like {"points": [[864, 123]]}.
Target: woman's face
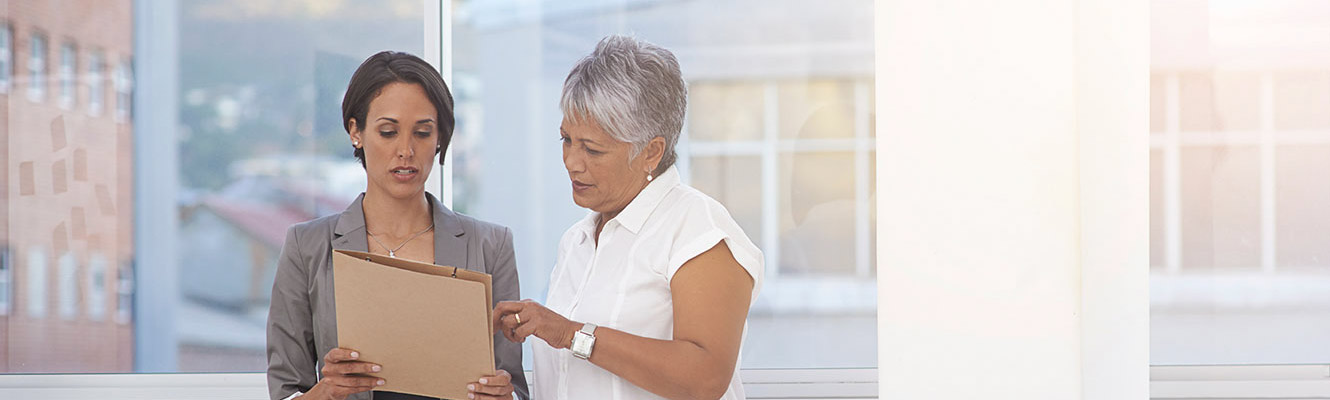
{"points": [[604, 179], [399, 138]]}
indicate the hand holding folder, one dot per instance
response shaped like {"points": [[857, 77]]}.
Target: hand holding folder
{"points": [[427, 325]]}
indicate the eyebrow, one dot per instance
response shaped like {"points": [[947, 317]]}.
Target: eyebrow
{"points": [[585, 140], [426, 120]]}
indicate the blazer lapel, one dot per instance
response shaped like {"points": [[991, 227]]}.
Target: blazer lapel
{"points": [[449, 238], [350, 231]]}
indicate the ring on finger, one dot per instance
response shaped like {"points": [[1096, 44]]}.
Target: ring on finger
{"points": [[518, 317]]}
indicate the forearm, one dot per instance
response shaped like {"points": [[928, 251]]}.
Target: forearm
{"points": [[675, 369]]}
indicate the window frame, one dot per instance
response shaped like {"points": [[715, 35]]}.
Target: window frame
{"points": [[842, 292], [1172, 140], [1176, 382], [759, 384]]}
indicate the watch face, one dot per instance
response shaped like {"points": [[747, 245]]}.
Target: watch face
{"points": [[582, 343]]}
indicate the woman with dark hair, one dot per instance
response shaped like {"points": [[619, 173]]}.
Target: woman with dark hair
{"points": [[398, 113]]}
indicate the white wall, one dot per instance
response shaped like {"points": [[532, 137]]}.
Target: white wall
{"points": [[1012, 232]]}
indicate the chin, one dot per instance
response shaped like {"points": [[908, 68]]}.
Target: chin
{"points": [[582, 202], [402, 190]]}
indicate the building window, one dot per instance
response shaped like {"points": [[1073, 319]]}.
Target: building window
{"points": [[6, 281], [124, 86], [37, 68], [68, 286], [6, 57], [810, 144], [96, 79], [68, 67], [96, 298], [124, 302], [36, 283]]}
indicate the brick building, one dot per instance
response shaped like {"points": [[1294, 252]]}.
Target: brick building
{"points": [[66, 233]]}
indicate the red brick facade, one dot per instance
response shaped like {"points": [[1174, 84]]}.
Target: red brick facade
{"points": [[66, 197]]}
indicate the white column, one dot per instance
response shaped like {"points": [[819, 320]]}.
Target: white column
{"points": [[1013, 219], [156, 170], [1113, 126]]}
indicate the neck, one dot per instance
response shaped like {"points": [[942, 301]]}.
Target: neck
{"points": [[396, 217]]}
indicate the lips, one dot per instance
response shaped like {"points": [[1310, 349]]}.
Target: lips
{"points": [[578, 186], [405, 173]]}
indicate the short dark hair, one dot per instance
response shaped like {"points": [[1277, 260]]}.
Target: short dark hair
{"points": [[393, 66]]}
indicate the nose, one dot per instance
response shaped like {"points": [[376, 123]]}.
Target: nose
{"points": [[405, 151], [572, 162]]}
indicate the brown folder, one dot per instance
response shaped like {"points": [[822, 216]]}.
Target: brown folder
{"points": [[428, 325]]}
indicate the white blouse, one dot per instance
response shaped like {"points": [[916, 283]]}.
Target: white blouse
{"points": [[624, 283]]}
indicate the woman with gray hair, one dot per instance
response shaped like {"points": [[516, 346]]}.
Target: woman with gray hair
{"points": [[651, 290]]}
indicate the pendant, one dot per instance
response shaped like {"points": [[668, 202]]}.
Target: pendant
{"points": [[390, 254]]}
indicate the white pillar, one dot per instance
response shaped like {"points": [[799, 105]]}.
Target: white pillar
{"points": [[1013, 225], [156, 177], [1113, 125]]}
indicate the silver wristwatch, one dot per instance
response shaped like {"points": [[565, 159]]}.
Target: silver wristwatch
{"points": [[583, 341]]}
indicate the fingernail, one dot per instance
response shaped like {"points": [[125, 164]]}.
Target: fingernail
{"points": [[355, 354], [376, 368], [484, 381], [380, 382], [473, 387]]}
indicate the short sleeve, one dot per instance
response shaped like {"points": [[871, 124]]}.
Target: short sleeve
{"points": [[704, 224]]}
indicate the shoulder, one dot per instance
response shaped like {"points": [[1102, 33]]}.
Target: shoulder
{"points": [[696, 222], [483, 230], [311, 237], [318, 229], [687, 205]]}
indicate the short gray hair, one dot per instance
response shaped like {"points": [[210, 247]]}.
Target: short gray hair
{"points": [[631, 88]]}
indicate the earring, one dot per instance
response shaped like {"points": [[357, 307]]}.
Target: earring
{"points": [[355, 143], [649, 178]]}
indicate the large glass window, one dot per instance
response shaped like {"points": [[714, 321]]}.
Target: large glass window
{"points": [[262, 148], [257, 89], [779, 130], [1240, 157]]}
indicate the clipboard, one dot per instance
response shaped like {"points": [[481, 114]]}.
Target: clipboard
{"points": [[427, 325]]}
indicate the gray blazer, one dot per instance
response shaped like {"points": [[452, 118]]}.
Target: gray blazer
{"points": [[302, 321]]}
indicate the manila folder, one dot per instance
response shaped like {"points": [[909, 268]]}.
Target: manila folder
{"points": [[427, 325]]}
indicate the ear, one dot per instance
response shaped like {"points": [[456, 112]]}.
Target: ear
{"points": [[652, 154], [355, 131]]}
